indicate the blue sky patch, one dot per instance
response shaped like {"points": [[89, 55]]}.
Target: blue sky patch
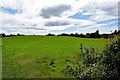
{"points": [[11, 11], [85, 26], [114, 24], [79, 15], [66, 30], [111, 25], [8, 30], [107, 21]]}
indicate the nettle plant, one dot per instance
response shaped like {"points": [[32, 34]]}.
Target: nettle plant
{"points": [[112, 59], [88, 67], [97, 64]]}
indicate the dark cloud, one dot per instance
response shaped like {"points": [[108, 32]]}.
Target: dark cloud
{"points": [[10, 21], [54, 11], [77, 0], [35, 25], [35, 28], [110, 8], [57, 23]]}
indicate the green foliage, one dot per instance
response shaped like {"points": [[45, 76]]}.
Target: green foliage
{"points": [[89, 67], [52, 62], [97, 35], [112, 58], [93, 35], [100, 65]]}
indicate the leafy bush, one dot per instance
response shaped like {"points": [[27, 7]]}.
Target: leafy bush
{"points": [[103, 65], [88, 67], [112, 58]]}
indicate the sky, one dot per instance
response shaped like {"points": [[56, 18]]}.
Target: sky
{"points": [[41, 17]]}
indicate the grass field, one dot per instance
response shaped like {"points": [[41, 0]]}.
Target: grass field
{"points": [[41, 56], [0, 58]]}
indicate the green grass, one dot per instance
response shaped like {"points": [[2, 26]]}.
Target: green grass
{"points": [[0, 58], [30, 56]]}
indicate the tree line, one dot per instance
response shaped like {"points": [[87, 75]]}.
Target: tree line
{"points": [[96, 34], [88, 35], [4, 35]]}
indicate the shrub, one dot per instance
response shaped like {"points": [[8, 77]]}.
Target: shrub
{"points": [[103, 65], [88, 67], [112, 58]]}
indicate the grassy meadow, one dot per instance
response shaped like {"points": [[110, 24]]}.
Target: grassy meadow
{"points": [[42, 56], [0, 58]]}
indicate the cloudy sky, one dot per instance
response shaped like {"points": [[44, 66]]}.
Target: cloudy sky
{"points": [[58, 16]]}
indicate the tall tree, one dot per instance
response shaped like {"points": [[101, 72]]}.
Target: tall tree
{"points": [[97, 35], [115, 32]]}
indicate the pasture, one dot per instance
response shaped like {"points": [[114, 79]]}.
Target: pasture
{"points": [[42, 56]]}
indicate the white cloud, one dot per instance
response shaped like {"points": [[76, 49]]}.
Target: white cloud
{"points": [[101, 10], [29, 21]]}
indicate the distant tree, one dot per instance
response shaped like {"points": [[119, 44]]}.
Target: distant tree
{"points": [[59, 35], [64, 34], [3, 35], [50, 34], [104, 35], [92, 35], [115, 32], [118, 31], [11, 35], [97, 35], [77, 35], [81, 35], [18, 34], [87, 35], [72, 34]]}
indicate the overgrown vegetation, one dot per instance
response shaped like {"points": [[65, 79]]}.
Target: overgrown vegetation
{"points": [[102, 65], [112, 59]]}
